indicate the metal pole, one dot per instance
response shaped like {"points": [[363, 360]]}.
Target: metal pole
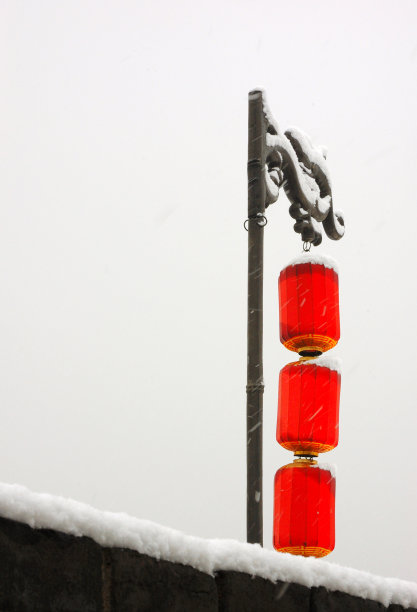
{"points": [[255, 386]]}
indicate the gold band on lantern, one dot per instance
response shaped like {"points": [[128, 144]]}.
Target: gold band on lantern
{"points": [[305, 447], [300, 462], [303, 453], [310, 342], [305, 551]]}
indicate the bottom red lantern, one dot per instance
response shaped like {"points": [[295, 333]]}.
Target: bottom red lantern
{"points": [[304, 504]]}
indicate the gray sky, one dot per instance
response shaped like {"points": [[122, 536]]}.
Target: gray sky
{"points": [[123, 255]]}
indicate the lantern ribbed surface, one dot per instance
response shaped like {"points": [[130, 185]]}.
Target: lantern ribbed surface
{"points": [[308, 407], [309, 307], [304, 505]]}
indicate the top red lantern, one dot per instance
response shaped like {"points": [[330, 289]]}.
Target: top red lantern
{"points": [[309, 305]]}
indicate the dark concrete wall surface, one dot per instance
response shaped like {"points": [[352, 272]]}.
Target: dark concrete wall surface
{"points": [[43, 570]]}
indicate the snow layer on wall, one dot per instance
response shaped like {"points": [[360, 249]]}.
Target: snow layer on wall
{"points": [[117, 529]]}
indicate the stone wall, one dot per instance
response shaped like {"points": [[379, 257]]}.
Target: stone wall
{"points": [[43, 570]]}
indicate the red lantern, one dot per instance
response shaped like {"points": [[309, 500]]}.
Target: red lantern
{"points": [[309, 305], [304, 504], [308, 406]]}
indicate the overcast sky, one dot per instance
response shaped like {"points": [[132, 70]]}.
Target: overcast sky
{"points": [[123, 255]]}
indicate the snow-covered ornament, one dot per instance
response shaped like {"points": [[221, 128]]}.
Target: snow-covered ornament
{"points": [[295, 163]]}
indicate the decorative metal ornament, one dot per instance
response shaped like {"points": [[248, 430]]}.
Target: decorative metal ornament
{"points": [[291, 161]]}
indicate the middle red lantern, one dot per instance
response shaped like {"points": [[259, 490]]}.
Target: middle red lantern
{"points": [[308, 406]]}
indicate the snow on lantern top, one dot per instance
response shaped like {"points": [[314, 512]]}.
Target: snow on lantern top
{"points": [[324, 361], [315, 258]]}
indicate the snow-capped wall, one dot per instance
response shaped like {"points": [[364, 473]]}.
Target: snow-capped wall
{"points": [[209, 556]]}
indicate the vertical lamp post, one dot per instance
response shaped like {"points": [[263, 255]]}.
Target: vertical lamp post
{"points": [[276, 159]]}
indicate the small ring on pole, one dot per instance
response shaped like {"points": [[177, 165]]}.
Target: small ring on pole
{"points": [[306, 246], [260, 219]]}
